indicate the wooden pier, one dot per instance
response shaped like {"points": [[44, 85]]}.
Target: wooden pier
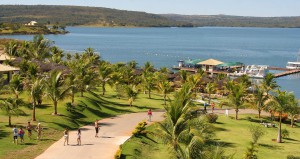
{"points": [[285, 73]]}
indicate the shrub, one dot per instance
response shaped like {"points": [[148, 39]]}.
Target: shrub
{"points": [[248, 118], [257, 132], [118, 153], [212, 118], [292, 157], [140, 129], [285, 133]]}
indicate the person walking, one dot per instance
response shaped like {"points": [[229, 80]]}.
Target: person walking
{"points": [[79, 137], [39, 131], [21, 134], [66, 136], [212, 107], [28, 128], [96, 128], [149, 115], [15, 135]]}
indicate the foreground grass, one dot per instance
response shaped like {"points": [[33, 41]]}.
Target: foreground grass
{"points": [[88, 108], [232, 135]]}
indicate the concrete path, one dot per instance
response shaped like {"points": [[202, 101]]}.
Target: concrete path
{"points": [[113, 132]]}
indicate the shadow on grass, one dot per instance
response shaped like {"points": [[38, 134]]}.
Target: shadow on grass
{"points": [[44, 106], [290, 139], [29, 143], [274, 147], [3, 134], [220, 129], [221, 143]]}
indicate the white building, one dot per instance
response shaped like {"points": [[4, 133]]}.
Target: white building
{"points": [[32, 23]]}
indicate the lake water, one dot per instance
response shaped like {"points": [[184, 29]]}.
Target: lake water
{"points": [[164, 46]]}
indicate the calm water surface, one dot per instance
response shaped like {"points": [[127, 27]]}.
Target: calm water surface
{"points": [[164, 46]]}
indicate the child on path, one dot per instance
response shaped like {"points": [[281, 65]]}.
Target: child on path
{"points": [[66, 136], [39, 131], [29, 127], [21, 134], [79, 137], [96, 128], [15, 135], [149, 115]]}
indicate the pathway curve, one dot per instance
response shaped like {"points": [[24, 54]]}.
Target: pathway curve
{"points": [[114, 131]]}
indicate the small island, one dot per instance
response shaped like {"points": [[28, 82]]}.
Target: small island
{"points": [[32, 27]]}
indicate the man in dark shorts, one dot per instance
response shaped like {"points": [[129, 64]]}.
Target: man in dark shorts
{"points": [[29, 127], [96, 127]]}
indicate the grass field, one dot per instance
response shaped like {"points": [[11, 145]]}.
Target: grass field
{"points": [[88, 109], [232, 135]]}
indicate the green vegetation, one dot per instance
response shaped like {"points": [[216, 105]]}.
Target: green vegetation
{"points": [[237, 21], [21, 28], [75, 15]]}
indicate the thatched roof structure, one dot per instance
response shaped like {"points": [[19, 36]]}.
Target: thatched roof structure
{"points": [[210, 62], [7, 68]]}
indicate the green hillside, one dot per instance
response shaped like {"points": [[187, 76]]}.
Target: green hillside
{"points": [[76, 15], [237, 21]]}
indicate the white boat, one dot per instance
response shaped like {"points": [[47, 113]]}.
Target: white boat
{"points": [[253, 71], [294, 65]]}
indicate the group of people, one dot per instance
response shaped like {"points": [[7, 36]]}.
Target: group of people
{"points": [[20, 133], [66, 136]]}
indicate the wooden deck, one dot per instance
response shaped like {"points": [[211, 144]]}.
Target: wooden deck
{"points": [[289, 72]]}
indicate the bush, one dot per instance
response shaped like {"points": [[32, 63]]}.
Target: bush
{"points": [[118, 153], [212, 118], [285, 133], [292, 157], [257, 132], [140, 129]]}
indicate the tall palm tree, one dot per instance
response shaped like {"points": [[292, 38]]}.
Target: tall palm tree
{"points": [[269, 83], [41, 47], [294, 110], [260, 99], [210, 88], [131, 93], [149, 82], [56, 88], [36, 93], [10, 107], [280, 102], [237, 97], [165, 87], [104, 74]]}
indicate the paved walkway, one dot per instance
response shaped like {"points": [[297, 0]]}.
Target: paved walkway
{"points": [[113, 132]]}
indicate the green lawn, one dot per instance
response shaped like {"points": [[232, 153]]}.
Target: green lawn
{"points": [[232, 135], [88, 109]]}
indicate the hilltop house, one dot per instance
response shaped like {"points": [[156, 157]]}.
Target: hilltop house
{"points": [[32, 23]]}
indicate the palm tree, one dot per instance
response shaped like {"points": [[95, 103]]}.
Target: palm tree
{"points": [[10, 107], [165, 87], [105, 72], [55, 88], [280, 102], [294, 110], [36, 93], [260, 99], [237, 97], [41, 47], [269, 83], [11, 48], [183, 75], [131, 93], [149, 82], [16, 85], [210, 88]]}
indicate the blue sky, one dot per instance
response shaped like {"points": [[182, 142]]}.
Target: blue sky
{"points": [[201, 7]]}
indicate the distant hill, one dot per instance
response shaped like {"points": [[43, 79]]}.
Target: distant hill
{"points": [[76, 15], [237, 21], [105, 17]]}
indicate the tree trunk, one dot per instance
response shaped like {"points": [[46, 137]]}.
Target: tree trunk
{"points": [[165, 102], [9, 120], [81, 93], [33, 111], [72, 98], [103, 88], [149, 93], [279, 129], [55, 107], [208, 98], [130, 102], [236, 114], [259, 112], [292, 120]]}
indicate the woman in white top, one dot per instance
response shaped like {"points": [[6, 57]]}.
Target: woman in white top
{"points": [[79, 137], [66, 136]]}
